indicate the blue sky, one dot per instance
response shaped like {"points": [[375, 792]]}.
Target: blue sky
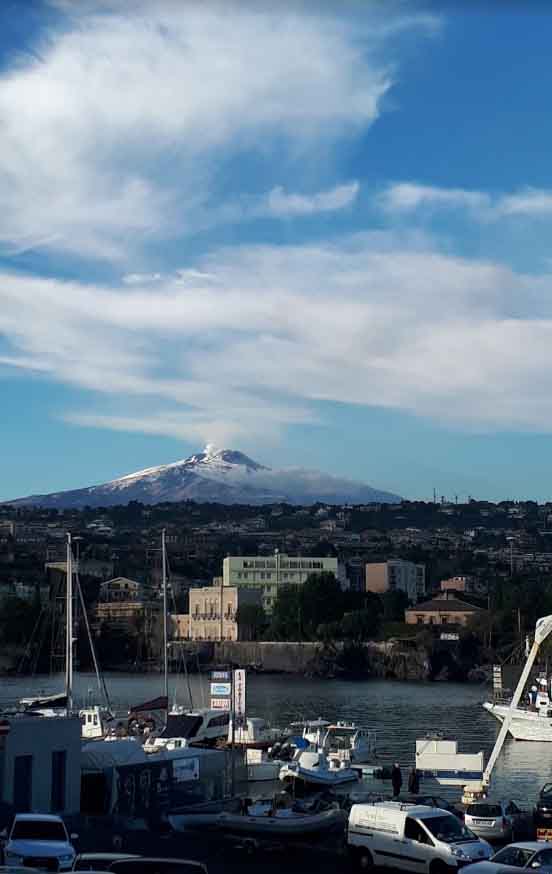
{"points": [[320, 235]]}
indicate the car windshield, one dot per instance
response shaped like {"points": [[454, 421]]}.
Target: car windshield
{"points": [[38, 830], [484, 810], [518, 856], [448, 828]]}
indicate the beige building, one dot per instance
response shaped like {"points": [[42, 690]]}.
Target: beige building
{"points": [[121, 604], [396, 575], [214, 611], [444, 609], [266, 573]]}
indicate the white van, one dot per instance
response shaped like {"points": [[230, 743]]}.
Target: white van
{"points": [[412, 837]]}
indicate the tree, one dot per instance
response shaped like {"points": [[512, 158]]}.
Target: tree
{"points": [[251, 619], [321, 601], [17, 620], [285, 623], [395, 603], [360, 626]]}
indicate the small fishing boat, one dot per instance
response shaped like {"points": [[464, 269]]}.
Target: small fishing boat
{"points": [[254, 734], [314, 769]]}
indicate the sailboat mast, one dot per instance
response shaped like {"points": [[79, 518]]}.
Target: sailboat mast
{"points": [[69, 628], [165, 630]]}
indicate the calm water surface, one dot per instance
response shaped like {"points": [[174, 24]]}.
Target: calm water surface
{"points": [[398, 712]]}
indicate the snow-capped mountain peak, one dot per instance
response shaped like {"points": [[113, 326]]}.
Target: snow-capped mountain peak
{"points": [[225, 476]]}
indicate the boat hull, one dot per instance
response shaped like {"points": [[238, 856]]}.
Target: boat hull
{"points": [[524, 724], [260, 826]]}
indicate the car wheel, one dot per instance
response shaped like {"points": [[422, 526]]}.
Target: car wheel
{"points": [[439, 867], [361, 858]]}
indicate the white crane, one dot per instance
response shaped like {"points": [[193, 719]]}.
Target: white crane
{"points": [[543, 629]]}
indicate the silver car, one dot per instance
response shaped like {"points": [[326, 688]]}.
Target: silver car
{"points": [[494, 820], [527, 854]]}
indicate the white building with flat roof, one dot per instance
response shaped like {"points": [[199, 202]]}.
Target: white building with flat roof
{"points": [[269, 572]]}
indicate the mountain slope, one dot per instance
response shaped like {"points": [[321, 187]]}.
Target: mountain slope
{"points": [[220, 476]]}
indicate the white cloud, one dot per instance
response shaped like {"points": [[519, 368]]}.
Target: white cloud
{"points": [[114, 130], [408, 196], [405, 197], [368, 319], [282, 204]]}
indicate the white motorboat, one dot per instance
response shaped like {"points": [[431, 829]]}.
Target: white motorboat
{"points": [[202, 727], [311, 730], [437, 757], [525, 723], [314, 769], [347, 737]]}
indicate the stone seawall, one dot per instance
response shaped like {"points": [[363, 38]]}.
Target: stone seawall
{"points": [[270, 657], [372, 659]]}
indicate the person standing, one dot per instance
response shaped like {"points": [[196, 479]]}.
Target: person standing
{"points": [[414, 781], [396, 779]]}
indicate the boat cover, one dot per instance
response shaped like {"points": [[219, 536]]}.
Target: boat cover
{"points": [[99, 755]]}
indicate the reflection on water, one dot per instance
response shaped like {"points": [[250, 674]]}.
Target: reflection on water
{"points": [[398, 712]]}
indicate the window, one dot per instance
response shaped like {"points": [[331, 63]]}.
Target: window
{"points": [[420, 620], [516, 856], [444, 620], [22, 783], [59, 760], [414, 832], [544, 858]]}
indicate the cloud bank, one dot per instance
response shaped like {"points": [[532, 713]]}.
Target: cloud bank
{"points": [[115, 130]]}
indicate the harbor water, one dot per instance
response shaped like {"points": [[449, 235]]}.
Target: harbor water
{"points": [[398, 712]]}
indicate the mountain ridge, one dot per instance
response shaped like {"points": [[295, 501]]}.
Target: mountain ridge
{"points": [[225, 476]]}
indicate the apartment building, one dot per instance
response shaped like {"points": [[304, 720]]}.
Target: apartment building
{"points": [[268, 572], [396, 575]]}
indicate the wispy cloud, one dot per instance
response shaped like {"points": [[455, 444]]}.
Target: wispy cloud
{"points": [[405, 197], [284, 204], [277, 331]]}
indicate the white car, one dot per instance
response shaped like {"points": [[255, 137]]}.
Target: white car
{"points": [[526, 854], [39, 841], [494, 820]]}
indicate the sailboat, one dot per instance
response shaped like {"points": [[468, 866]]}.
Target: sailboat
{"points": [[92, 718], [183, 727]]}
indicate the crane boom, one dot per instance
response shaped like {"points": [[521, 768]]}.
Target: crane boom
{"points": [[542, 629]]}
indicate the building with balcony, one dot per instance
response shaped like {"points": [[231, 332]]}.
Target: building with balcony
{"points": [[214, 611], [267, 573]]}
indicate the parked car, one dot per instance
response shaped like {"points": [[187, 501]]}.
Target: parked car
{"points": [[495, 820], [411, 838], [526, 854], [433, 801], [542, 813], [38, 840], [96, 861]]}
